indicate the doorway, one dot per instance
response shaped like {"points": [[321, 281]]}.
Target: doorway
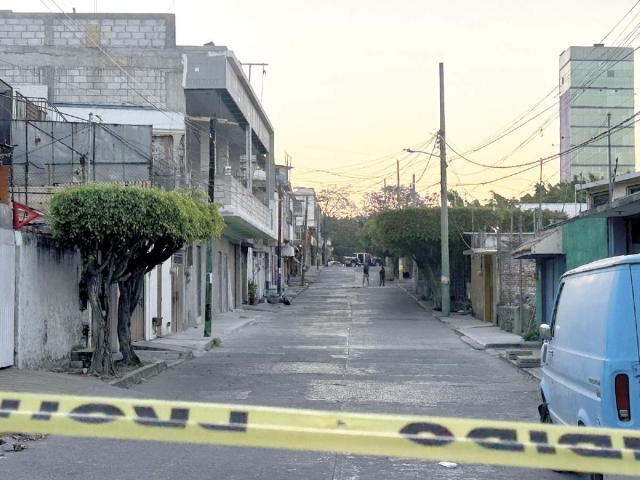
{"points": [[137, 320], [177, 293]]}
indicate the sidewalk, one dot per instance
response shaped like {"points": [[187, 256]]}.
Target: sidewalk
{"points": [[157, 355], [480, 335]]}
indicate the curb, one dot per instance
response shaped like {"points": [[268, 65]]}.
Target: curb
{"points": [[293, 296], [416, 300], [231, 331], [139, 374], [148, 371], [523, 370], [472, 343]]}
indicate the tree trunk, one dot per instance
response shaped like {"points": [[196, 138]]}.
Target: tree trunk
{"points": [[102, 361], [130, 293]]}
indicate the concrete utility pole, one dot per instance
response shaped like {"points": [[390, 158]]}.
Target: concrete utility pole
{"points": [[444, 211], [398, 180], [414, 199], [92, 151], [609, 153], [280, 191], [304, 240], [540, 199]]}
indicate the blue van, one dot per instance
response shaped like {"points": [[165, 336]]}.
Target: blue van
{"points": [[590, 355]]}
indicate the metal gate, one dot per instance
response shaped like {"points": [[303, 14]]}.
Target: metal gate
{"points": [[7, 298]]}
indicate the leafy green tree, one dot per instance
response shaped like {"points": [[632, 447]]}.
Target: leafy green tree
{"points": [[344, 234], [122, 232], [563, 192], [415, 233]]}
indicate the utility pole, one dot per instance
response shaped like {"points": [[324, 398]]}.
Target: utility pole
{"points": [[92, 157], [609, 153], [384, 195], [444, 220], [398, 181], [304, 240], [413, 191], [280, 191], [208, 305], [540, 200]]}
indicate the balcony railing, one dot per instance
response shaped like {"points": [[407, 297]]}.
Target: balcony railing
{"points": [[254, 219]]}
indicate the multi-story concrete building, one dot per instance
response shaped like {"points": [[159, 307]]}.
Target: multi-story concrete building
{"points": [[595, 82], [313, 236], [209, 131]]}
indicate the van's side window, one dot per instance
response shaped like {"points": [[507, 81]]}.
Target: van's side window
{"points": [[582, 306], [554, 316]]}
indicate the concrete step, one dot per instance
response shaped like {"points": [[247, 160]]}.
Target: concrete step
{"points": [[514, 353], [528, 361]]}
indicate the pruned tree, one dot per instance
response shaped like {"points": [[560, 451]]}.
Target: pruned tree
{"points": [[122, 232], [200, 220]]}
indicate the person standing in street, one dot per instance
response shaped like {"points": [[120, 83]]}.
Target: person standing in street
{"points": [[382, 276], [365, 273]]}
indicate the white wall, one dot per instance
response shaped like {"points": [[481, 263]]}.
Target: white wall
{"points": [[7, 286], [223, 285], [48, 318], [151, 300]]}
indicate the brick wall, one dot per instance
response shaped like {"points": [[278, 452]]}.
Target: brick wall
{"points": [[510, 278]]}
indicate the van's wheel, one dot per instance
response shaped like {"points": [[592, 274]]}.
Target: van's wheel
{"points": [[545, 417], [543, 410]]}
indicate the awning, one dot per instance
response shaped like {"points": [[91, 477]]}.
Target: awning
{"points": [[547, 244], [622, 207], [287, 251]]}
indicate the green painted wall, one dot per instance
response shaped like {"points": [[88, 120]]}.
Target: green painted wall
{"points": [[585, 241], [538, 292]]}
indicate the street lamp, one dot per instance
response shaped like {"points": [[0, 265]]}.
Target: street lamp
{"points": [[409, 150]]}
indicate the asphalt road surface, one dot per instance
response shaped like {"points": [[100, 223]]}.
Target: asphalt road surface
{"points": [[338, 347]]}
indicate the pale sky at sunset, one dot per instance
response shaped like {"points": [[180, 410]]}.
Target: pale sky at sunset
{"points": [[351, 81]]}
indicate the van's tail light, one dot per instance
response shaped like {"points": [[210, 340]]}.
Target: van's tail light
{"points": [[623, 403]]}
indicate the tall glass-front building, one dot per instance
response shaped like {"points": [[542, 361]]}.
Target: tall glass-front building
{"points": [[594, 82]]}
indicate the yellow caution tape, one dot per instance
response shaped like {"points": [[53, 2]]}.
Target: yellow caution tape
{"points": [[592, 450]]}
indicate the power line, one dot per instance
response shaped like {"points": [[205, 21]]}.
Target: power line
{"points": [[594, 76], [621, 20]]}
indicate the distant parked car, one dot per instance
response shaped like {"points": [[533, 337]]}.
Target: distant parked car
{"points": [[350, 261], [363, 258], [590, 353], [334, 263]]}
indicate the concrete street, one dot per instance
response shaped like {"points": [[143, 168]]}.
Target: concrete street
{"points": [[338, 347]]}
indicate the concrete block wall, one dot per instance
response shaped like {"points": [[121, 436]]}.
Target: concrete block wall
{"points": [[509, 319], [59, 52], [77, 30]]}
